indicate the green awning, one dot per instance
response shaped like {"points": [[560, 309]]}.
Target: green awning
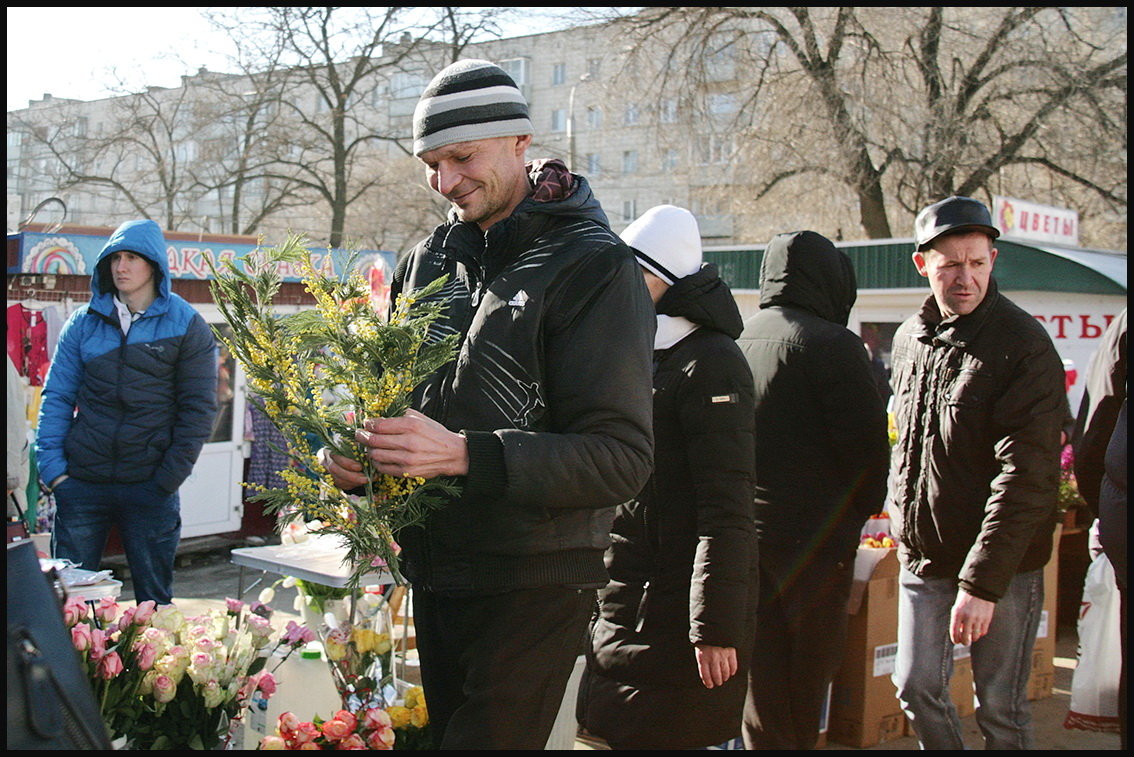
{"points": [[886, 264]]}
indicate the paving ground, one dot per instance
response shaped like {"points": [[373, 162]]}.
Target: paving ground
{"points": [[205, 575]]}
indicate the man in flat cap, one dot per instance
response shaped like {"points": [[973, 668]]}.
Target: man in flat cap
{"points": [[979, 405], [545, 417]]}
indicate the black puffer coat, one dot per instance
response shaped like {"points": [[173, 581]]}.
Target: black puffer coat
{"points": [[683, 562]]}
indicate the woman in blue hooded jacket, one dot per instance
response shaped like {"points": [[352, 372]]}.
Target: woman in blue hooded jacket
{"points": [[128, 403]]}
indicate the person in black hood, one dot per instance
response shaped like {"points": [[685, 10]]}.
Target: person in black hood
{"points": [[670, 640], [821, 465], [543, 419]]}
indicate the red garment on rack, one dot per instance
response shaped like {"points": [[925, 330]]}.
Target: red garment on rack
{"points": [[27, 343]]}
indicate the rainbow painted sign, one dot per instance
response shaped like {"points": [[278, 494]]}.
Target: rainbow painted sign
{"points": [[77, 254]]}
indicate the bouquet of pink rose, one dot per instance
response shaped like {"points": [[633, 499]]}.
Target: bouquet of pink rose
{"points": [[164, 681], [403, 726]]}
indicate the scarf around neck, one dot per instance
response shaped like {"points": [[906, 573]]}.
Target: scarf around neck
{"points": [[671, 330]]}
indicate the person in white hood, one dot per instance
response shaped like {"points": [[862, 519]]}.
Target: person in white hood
{"points": [[670, 642]]}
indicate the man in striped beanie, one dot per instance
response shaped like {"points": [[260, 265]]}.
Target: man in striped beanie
{"points": [[544, 420], [469, 100], [473, 113]]}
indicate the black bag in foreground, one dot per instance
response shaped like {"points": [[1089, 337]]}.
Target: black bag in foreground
{"points": [[50, 701]]}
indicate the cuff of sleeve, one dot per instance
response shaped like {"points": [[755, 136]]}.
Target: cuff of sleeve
{"points": [[488, 476], [978, 592]]}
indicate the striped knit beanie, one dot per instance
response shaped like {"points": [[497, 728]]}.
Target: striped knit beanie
{"points": [[469, 100]]}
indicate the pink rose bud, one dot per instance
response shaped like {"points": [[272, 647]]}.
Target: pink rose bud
{"points": [[306, 733], [81, 637], [336, 730], [267, 684], [347, 717], [147, 653], [354, 741], [289, 722], [164, 688], [381, 739], [98, 644], [107, 610], [144, 611], [74, 610], [110, 666], [234, 606], [376, 718], [272, 742]]}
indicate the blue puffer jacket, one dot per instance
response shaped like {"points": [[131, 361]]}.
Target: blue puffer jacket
{"points": [[133, 408]]}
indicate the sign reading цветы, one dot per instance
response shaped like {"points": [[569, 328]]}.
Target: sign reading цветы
{"points": [[1025, 220]]}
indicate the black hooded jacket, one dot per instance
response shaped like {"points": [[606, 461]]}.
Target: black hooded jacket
{"points": [[822, 452], [550, 386], [683, 562]]}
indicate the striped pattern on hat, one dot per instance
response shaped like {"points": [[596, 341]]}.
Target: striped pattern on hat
{"points": [[469, 100]]}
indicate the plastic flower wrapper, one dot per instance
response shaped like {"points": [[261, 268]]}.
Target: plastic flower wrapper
{"points": [[360, 652], [164, 681], [320, 372]]}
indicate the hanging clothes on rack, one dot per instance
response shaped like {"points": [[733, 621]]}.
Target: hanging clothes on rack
{"points": [[30, 328], [269, 450]]}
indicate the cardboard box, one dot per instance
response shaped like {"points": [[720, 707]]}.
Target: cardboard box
{"points": [[864, 704], [1042, 679], [1041, 682]]}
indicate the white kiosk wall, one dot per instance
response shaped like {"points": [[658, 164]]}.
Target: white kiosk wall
{"points": [[212, 496]]}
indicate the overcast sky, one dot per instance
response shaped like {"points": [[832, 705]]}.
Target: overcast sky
{"points": [[84, 53]]}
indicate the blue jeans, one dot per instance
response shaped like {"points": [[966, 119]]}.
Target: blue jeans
{"points": [[1001, 662], [148, 519]]}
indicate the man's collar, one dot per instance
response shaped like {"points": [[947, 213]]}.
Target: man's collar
{"points": [[957, 330]]}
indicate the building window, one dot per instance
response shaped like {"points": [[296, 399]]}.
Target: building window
{"points": [[629, 210], [406, 84], [559, 119], [667, 112], [594, 168], [186, 151], [669, 160], [630, 115], [629, 161], [558, 74], [713, 149], [594, 117], [517, 68], [721, 60], [594, 66], [722, 104]]}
